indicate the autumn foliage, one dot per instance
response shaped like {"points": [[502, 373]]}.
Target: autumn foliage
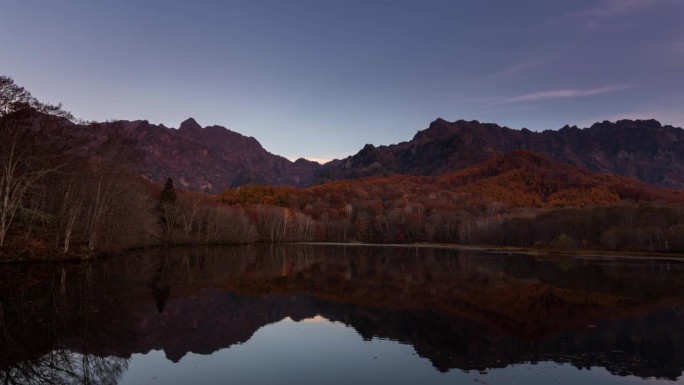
{"points": [[526, 179], [495, 202]]}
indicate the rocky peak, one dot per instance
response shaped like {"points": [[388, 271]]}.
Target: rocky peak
{"points": [[190, 124], [439, 122]]}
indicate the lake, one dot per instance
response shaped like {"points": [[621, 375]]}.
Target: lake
{"points": [[326, 314]]}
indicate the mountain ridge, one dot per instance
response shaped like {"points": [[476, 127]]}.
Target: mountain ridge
{"points": [[641, 149], [214, 158], [210, 158]]}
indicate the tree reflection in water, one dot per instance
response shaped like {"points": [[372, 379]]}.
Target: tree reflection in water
{"points": [[65, 367], [53, 321], [80, 323]]}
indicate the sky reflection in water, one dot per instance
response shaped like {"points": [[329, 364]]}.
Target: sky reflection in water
{"points": [[319, 351], [303, 314]]}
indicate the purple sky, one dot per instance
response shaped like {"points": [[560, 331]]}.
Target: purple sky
{"points": [[321, 78]]}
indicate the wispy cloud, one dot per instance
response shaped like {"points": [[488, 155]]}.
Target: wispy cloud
{"points": [[563, 94], [593, 17], [677, 47], [612, 8], [516, 69]]}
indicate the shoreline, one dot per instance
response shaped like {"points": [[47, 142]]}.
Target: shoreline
{"points": [[585, 254], [543, 253]]}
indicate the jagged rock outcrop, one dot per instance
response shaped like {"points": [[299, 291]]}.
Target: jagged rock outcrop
{"points": [[641, 149], [210, 159]]}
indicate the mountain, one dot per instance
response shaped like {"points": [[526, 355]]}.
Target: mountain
{"points": [[209, 159], [641, 149], [214, 158]]}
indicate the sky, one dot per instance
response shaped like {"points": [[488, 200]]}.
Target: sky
{"points": [[320, 78]]}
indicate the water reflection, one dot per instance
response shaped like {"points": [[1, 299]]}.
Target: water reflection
{"points": [[464, 310], [66, 367]]}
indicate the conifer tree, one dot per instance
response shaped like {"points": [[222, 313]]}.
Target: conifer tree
{"points": [[168, 194], [167, 208]]}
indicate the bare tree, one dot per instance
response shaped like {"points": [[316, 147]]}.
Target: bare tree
{"points": [[272, 222], [189, 208], [65, 202], [29, 150], [114, 152]]}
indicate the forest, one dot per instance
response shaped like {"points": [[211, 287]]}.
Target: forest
{"points": [[72, 194], [392, 210]]}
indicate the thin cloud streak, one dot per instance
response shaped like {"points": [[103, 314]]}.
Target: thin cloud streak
{"points": [[677, 47], [594, 17], [612, 8], [563, 94], [517, 69]]}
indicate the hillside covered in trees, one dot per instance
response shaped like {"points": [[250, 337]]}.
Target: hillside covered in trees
{"points": [[517, 199]]}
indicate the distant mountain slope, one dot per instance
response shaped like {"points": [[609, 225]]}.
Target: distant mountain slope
{"points": [[527, 179], [514, 180], [641, 149], [210, 159]]}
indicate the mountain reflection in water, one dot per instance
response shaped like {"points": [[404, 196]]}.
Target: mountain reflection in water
{"points": [[467, 310]]}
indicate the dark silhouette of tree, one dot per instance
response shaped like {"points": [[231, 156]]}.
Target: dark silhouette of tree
{"points": [[168, 210], [168, 194], [29, 148]]}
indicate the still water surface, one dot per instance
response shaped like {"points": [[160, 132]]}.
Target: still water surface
{"points": [[304, 314]]}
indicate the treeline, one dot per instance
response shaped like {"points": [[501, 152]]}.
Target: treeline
{"points": [[638, 227], [516, 199], [402, 210]]}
